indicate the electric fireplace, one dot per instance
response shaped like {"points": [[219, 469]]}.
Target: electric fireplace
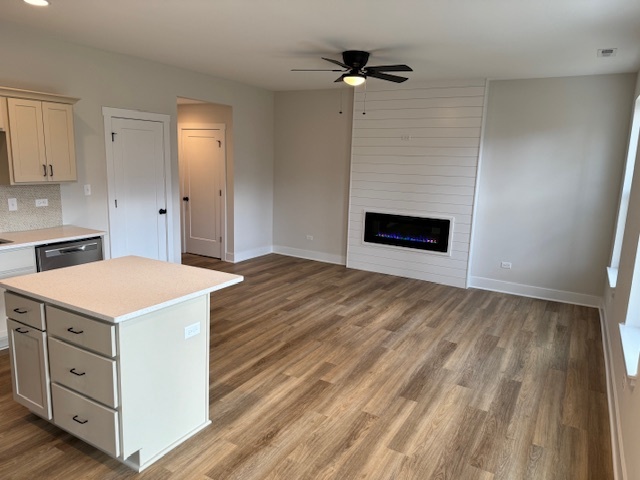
{"points": [[421, 233]]}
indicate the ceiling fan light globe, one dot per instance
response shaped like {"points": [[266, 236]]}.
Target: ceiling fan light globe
{"points": [[353, 80]]}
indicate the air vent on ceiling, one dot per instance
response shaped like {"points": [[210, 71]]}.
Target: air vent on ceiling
{"points": [[607, 52]]}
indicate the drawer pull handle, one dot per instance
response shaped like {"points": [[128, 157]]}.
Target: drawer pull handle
{"points": [[73, 370], [81, 422], [21, 312], [19, 330], [77, 332]]}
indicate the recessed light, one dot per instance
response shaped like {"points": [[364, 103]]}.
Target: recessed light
{"points": [[37, 3]]}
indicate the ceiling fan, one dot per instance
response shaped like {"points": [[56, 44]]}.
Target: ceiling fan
{"points": [[354, 71]]}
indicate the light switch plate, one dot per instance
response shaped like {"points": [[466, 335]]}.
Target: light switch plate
{"points": [[13, 204], [42, 202]]}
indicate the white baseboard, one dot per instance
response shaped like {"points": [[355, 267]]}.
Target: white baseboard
{"points": [[310, 255], [248, 254], [535, 292], [612, 398], [4, 343]]}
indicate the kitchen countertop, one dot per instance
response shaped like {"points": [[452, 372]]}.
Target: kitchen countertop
{"points": [[28, 238], [121, 288]]}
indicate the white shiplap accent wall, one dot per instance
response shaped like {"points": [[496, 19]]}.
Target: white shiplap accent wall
{"points": [[415, 152]]}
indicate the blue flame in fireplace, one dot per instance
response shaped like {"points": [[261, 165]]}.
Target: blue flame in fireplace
{"points": [[409, 238]]}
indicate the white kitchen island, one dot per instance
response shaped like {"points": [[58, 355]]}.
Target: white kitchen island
{"points": [[115, 352]]}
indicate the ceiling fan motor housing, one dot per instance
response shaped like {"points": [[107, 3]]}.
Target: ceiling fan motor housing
{"points": [[355, 58]]}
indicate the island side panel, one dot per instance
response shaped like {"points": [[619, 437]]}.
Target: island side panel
{"points": [[164, 377]]}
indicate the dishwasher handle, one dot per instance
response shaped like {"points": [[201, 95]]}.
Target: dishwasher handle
{"points": [[54, 252]]}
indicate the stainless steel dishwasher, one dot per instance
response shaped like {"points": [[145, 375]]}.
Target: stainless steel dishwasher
{"points": [[67, 254]]}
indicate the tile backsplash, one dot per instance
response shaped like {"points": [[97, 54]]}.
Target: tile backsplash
{"points": [[28, 216]]}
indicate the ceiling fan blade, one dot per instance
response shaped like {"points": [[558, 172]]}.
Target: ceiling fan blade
{"points": [[389, 78], [389, 68], [314, 70], [339, 79], [336, 62]]}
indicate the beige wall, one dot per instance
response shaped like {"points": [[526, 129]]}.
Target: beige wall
{"points": [[550, 177], [35, 61], [626, 400], [311, 182], [208, 113]]}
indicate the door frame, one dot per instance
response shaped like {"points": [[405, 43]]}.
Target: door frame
{"points": [[183, 233], [109, 113]]}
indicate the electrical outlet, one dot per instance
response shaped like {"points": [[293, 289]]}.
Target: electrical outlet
{"points": [[309, 237], [87, 190], [13, 204], [42, 202], [506, 265], [191, 330]]}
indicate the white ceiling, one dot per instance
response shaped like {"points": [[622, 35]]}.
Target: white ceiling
{"points": [[258, 42]]}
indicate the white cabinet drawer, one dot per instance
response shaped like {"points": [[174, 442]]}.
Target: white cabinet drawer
{"points": [[82, 331], [25, 310], [85, 372], [86, 419], [19, 259]]}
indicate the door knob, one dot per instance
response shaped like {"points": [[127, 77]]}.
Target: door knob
{"points": [[162, 211], [186, 199]]}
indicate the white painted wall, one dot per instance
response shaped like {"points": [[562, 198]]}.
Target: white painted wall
{"points": [[32, 60], [415, 152], [626, 402], [551, 168], [311, 183]]}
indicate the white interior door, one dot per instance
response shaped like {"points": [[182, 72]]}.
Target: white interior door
{"points": [[138, 218], [203, 154]]}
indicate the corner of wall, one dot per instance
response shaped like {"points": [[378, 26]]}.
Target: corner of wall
{"points": [[249, 254], [549, 294]]}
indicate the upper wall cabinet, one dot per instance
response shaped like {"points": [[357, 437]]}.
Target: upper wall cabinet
{"points": [[37, 144]]}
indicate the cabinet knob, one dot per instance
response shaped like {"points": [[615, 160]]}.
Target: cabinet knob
{"points": [[162, 211]]}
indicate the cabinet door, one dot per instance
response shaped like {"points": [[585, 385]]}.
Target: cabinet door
{"points": [[27, 141], [59, 141], [3, 321], [4, 119], [29, 368]]}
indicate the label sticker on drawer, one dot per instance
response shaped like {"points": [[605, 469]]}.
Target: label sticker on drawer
{"points": [[192, 330]]}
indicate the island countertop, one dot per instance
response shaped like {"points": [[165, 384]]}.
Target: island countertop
{"points": [[120, 289]]}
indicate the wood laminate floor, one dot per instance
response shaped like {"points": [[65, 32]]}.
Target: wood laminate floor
{"points": [[320, 372]]}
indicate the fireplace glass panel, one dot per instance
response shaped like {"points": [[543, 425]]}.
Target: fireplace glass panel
{"points": [[421, 233]]}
